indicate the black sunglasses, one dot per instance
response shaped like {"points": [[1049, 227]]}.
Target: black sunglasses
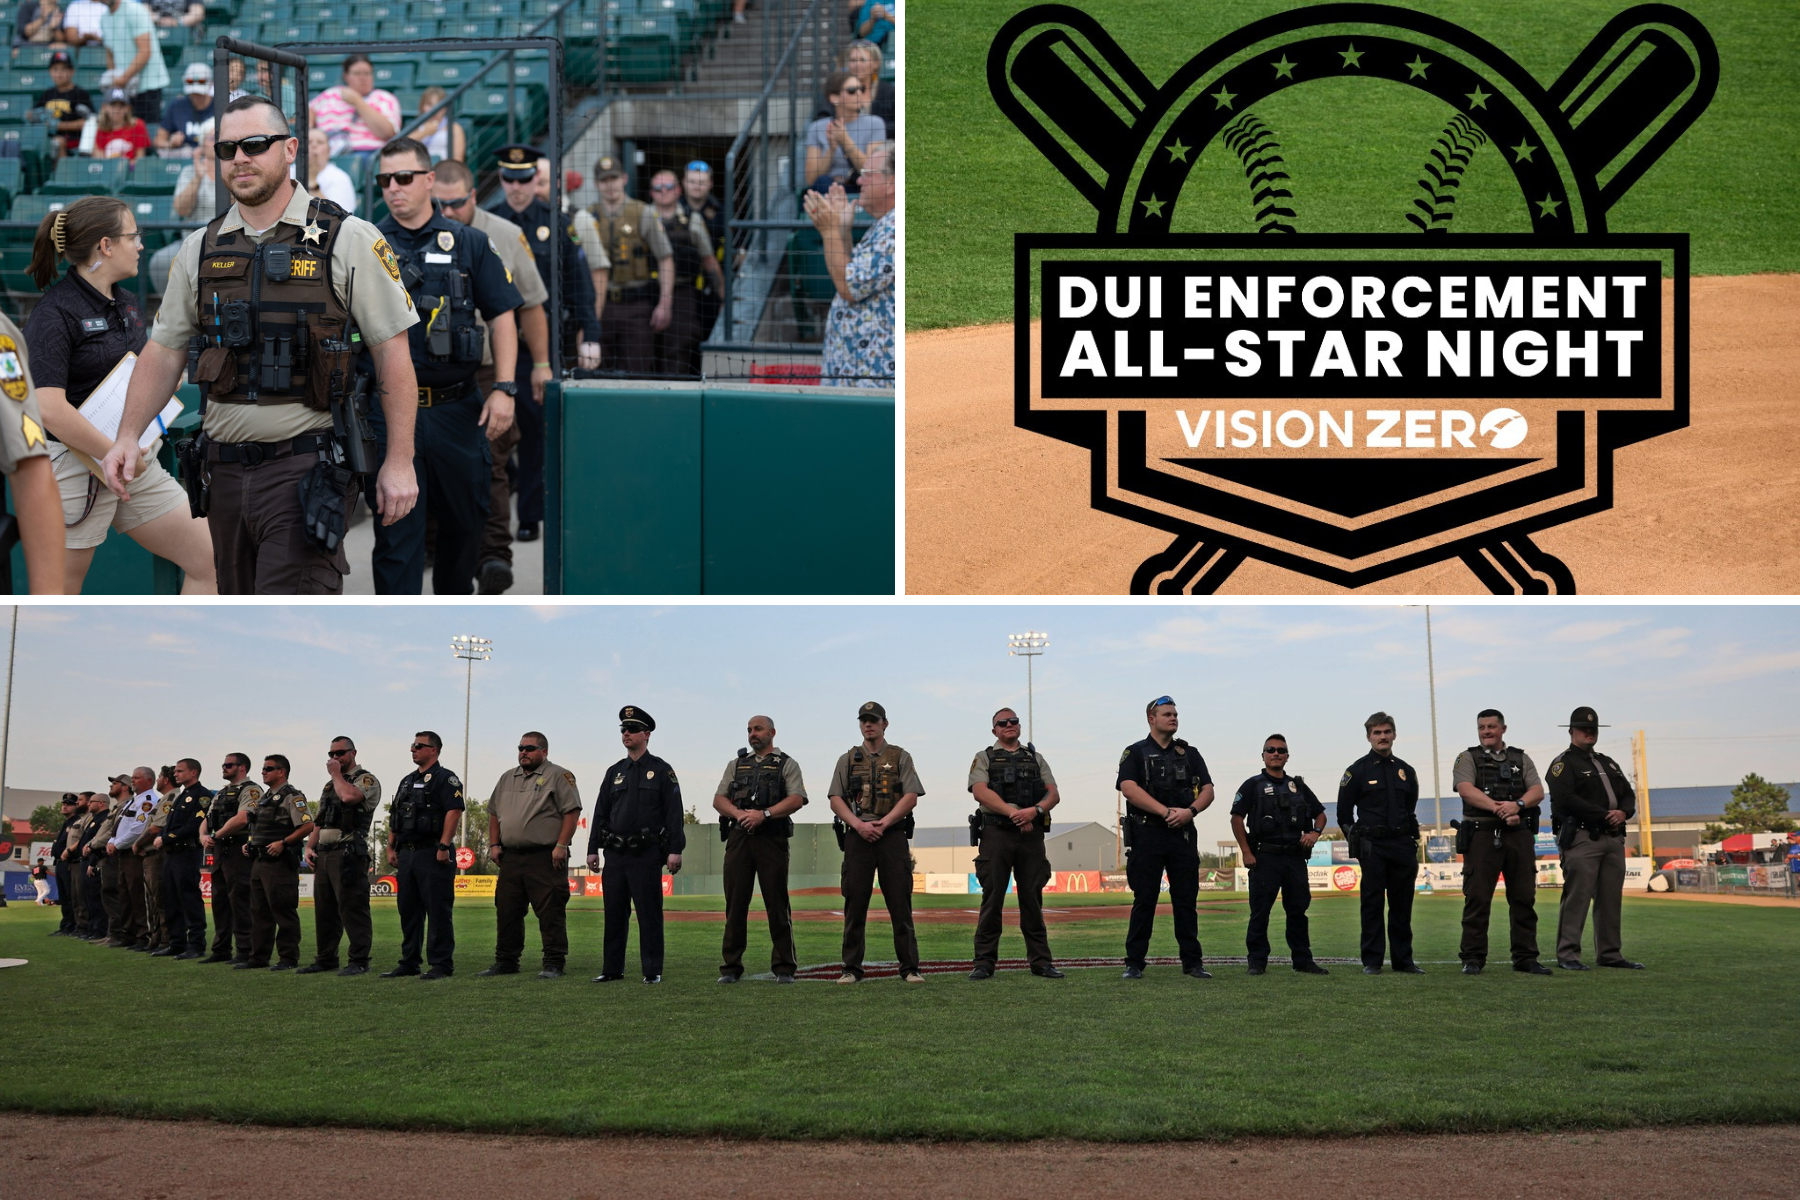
{"points": [[266, 770], [523, 749], [253, 146], [422, 746], [403, 178], [458, 202], [1008, 721], [1274, 749], [338, 753]]}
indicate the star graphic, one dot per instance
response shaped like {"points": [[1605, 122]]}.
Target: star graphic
{"points": [[1224, 97], [314, 232], [1177, 151], [1478, 98], [1547, 206], [1283, 68], [1352, 56], [1153, 207], [1417, 66], [1523, 151]]}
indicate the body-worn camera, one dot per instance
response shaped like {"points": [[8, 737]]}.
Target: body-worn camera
{"points": [[235, 325]]}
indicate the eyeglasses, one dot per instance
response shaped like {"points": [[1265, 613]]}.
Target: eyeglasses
{"points": [[523, 749], [266, 770], [338, 753], [422, 746], [403, 178], [458, 202], [851, 91], [253, 146], [1274, 749], [136, 235], [1162, 700], [662, 187], [1007, 721]]}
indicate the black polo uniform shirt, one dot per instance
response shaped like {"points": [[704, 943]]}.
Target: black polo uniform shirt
{"points": [[635, 796], [76, 335], [1378, 791]]}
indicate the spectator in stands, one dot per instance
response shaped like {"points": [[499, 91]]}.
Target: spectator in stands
{"points": [[81, 21], [38, 22], [181, 122], [122, 133], [859, 332], [324, 177], [171, 13], [134, 58], [737, 11], [78, 333], [67, 105], [193, 201], [359, 116], [835, 145], [875, 20], [442, 136], [862, 58]]}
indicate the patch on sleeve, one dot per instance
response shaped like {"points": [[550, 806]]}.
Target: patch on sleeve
{"points": [[1125, 754], [34, 433], [569, 778], [385, 253], [1345, 781], [1557, 769], [522, 240], [250, 795], [12, 370]]}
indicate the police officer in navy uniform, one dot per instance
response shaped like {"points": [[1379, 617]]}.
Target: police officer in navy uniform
{"points": [[1501, 795], [1166, 784], [1590, 802], [520, 204], [451, 271], [1375, 807], [1276, 819], [65, 874], [421, 845], [184, 909], [637, 821]]}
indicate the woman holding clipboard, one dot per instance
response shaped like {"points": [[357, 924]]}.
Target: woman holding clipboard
{"points": [[82, 329]]}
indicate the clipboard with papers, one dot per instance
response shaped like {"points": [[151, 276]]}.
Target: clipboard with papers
{"points": [[105, 408]]}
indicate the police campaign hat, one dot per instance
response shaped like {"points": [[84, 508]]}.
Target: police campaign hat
{"points": [[871, 712], [607, 167], [1585, 718], [518, 162], [632, 718]]}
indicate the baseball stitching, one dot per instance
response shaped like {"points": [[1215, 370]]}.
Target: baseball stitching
{"points": [[1255, 145], [1456, 145]]}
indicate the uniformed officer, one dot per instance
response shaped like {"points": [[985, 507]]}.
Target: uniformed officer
{"points": [[756, 800], [268, 419], [1375, 808], [1501, 795], [278, 824], [184, 908], [231, 867], [697, 199], [1276, 819], [148, 847], [338, 853], [1016, 791], [89, 859], [1590, 801], [696, 276], [121, 847], [587, 236], [421, 843], [532, 814], [640, 297], [874, 789], [451, 271], [455, 195], [520, 204], [67, 893], [1166, 785], [637, 819]]}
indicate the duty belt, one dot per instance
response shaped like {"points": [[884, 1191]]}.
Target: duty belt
{"points": [[449, 393], [252, 453], [168, 845], [418, 845], [1291, 849], [526, 849]]}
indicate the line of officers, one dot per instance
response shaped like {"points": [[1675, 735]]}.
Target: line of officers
{"points": [[259, 831]]}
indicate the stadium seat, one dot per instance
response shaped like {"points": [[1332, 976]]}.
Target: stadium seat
{"points": [[333, 12], [14, 106], [646, 50], [407, 29], [25, 79], [14, 258], [500, 9], [275, 33], [436, 9], [172, 39], [469, 29], [353, 165], [89, 176], [151, 209], [154, 177], [34, 151], [394, 76], [450, 74], [12, 180], [35, 56], [32, 208]]}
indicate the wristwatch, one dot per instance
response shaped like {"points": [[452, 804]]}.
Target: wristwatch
{"points": [[506, 385], [446, 846]]}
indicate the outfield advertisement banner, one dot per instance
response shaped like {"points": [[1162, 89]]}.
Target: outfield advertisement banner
{"points": [[476, 885], [590, 885], [1114, 881], [1083, 881], [957, 884]]}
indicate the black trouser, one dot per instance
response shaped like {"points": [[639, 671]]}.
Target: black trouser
{"points": [[530, 881], [65, 896], [1144, 871], [627, 342], [528, 416], [451, 460], [341, 903], [1516, 857], [108, 869], [155, 911], [753, 859], [427, 890], [93, 895], [274, 907], [632, 879], [1007, 853], [1390, 865], [230, 898], [1284, 874], [134, 912], [888, 859], [184, 908]]}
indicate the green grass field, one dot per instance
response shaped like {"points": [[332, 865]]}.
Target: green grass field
{"points": [[1697, 1038], [972, 180]]}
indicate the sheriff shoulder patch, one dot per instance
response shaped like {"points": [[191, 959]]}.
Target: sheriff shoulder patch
{"points": [[1558, 768], [12, 370], [389, 263]]}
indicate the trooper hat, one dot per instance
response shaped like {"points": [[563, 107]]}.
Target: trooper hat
{"points": [[871, 711], [607, 167], [1585, 718], [633, 718], [518, 162]]}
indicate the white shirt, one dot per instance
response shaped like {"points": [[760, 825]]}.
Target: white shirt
{"points": [[335, 185], [134, 818], [85, 15]]}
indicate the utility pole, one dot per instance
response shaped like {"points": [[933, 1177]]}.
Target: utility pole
{"points": [[471, 649], [1431, 677], [1640, 763], [1027, 645]]}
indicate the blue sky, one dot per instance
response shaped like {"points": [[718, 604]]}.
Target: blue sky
{"points": [[99, 689]]}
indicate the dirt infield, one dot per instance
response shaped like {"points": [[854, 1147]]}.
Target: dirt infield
{"points": [[113, 1157], [1677, 496]]}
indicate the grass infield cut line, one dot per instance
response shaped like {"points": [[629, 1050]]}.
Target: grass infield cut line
{"points": [[948, 966]]}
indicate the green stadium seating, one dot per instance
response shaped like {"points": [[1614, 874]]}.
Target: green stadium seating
{"points": [[155, 177], [436, 9], [34, 150], [91, 175], [25, 79], [274, 33], [464, 27], [354, 166], [14, 106], [172, 40], [498, 9], [333, 12], [14, 258], [646, 50], [12, 180], [155, 208], [352, 29], [32, 207], [452, 74], [394, 76], [406, 29], [34, 56]]}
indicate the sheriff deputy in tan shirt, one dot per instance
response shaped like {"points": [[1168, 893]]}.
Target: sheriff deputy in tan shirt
{"points": [[532, 814]]}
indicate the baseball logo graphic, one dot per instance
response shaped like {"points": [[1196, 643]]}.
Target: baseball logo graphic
{"points": [[1351, 403]]}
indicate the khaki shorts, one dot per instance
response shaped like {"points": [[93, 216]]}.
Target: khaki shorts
{"points": [[153, 493]]}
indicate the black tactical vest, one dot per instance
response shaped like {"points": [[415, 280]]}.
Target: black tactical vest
{"points": [[1277, 812], [270, 822], [1015, 775], [448, 334], [353, 819], [688, 271], [1167, 777], [758, 784], [1499, 779], [225, 804], [417, 813], [874, 782]]}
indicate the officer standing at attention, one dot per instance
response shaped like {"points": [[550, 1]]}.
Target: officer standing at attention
{"points": [[637, 819], [231, 869], [183, 906], [254, 308], [134, 899], [696, 271], [338, 853], [66, 892], [874, 789], [278, 824], [756, 801], [532, 814], [148, 847], [1276, 820], [1375, 807], [1501, 795], [520, 204], [1166, 784], [451, 271], [421, 843], [1016, 791], [697, 200], [91, 861], [640, 299], [1590, 801]]}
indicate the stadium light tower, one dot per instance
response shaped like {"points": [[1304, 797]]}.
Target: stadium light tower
{"points": [[471, 649], [1027, 645], [1431, 678]]}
